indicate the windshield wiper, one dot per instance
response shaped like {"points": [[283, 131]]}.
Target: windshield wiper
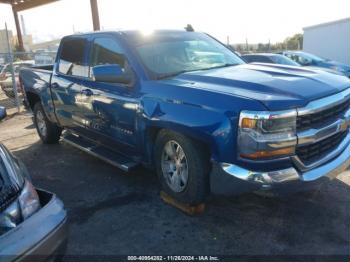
{"points": [[220, 66], [168, 75]]}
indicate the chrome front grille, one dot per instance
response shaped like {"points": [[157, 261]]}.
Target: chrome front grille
{"points": [[322, 130], [313, 152], [318, 119]]}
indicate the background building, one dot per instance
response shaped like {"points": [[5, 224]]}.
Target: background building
{"points": [[3, 40], [330, 40]]}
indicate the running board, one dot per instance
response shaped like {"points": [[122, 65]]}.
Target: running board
{"points": [[100, 152]]}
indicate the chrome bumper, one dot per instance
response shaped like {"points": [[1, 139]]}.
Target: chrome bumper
{"points": [[269, 179]]}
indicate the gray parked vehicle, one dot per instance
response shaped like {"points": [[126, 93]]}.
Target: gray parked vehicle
{"points": [[312, 61], [32, 221]]}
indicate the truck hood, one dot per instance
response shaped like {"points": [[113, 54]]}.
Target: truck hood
{"points": [[278, 87]]}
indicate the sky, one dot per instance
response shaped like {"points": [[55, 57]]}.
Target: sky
{"points": [[256, 20]]}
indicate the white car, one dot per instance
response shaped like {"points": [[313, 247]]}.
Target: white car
{"points": [[6, 78]]}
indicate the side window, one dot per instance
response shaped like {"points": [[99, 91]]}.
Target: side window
{"points": [[8, 69], [289, 56], [71, 61], [107, 51], [295, 58], [262, 59], [248, 58]]}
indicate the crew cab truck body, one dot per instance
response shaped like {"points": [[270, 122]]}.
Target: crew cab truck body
{"points": [[183, 103]]}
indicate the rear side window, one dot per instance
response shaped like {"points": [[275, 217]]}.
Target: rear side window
{"points": [[71, 61]]}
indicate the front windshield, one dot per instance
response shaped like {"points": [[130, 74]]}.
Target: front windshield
{"points": [[283, 60], [183, 52]]}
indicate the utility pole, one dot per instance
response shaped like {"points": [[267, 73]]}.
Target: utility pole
{"points": [[95, 15], [14, 85]]}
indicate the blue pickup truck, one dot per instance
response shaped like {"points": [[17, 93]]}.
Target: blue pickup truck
{"points": [[184, 104]]}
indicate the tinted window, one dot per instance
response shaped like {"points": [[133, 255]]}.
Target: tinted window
{"points": [[249, 58], [107, 51], [71, 60], [263, 59], [246, 59], [257, 59], [283, 60]]}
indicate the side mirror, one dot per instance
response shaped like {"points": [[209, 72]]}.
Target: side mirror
{"points": [[111, 74], [2, 112]]}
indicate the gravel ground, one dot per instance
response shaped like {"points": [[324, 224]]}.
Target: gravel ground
{"points": [[111, 212]]}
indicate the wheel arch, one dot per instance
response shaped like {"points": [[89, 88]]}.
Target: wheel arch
{"points": [[32, 99], [202, 139]]}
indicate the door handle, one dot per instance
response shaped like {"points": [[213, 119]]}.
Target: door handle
{"points": [[54, 85], [87, 92]]}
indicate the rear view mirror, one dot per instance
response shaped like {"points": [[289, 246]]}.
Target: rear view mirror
{"points": [[111, 74], [2, 112]]}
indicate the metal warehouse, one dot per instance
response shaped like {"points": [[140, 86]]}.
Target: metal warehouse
{"points": [[330, 40]]}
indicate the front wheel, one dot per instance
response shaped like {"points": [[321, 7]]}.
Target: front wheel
{"points": [[49, 132], [182, 166]]}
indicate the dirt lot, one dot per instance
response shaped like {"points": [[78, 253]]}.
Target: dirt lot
{"points": [[111, 212]]}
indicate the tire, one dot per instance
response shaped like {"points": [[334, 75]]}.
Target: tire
{"points": [[195, 161], [48, 132]]}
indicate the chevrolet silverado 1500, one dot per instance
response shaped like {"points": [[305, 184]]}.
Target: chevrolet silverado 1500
{"points": [[183, 103]]}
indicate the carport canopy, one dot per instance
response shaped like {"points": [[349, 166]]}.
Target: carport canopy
{"points": [[22, 5]]}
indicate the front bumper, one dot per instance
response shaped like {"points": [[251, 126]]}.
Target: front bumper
{"points": [[41, 235], [230, 179]]}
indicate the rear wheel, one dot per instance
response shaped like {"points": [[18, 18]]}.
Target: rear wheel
{"points": [[182, 167], [49, 132]]}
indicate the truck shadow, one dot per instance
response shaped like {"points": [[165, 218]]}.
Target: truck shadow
{"points": [[105, 203]]}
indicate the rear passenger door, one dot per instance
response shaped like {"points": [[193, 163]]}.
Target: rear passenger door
{"points": [[71, 68], [111, 107]]}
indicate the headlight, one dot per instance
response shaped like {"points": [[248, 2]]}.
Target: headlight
{"points": [[23, 207], [28, 200], [265, 135], [10, 217]]}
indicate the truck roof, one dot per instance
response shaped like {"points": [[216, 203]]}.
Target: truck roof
{"points": [[130, 32], [136, 37]]}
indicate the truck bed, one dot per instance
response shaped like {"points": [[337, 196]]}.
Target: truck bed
{"points": [[36, 81], [30, 77]]}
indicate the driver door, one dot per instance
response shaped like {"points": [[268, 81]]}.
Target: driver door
{"points": [[110, 108]]}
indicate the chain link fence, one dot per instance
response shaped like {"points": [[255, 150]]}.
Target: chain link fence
{"points": [[11, 93]]}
